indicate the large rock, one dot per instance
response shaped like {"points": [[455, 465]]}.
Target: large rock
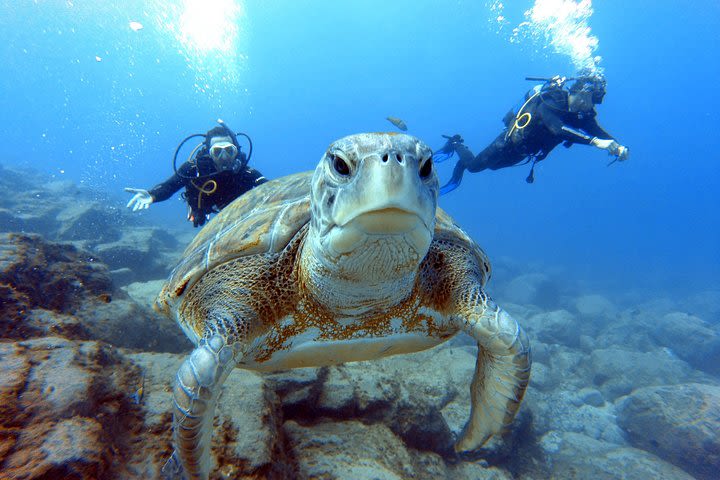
{"points": [[692, 339], [66, 410], [147, 251], [558, 326], [144, 293], [48, 288], [530, 289], [557, 367], [247, 437], [629, 329], [705, 304], [680, 423], [595, 308], [49, 275], [424, 398], [617, 372], [584, 411], [62, 211], [575, 456], [88, 220], [322, 451], [30, 207]]}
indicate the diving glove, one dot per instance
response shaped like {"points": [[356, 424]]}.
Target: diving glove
{"points": [[612, 147], [601, 143], [141, 200]]}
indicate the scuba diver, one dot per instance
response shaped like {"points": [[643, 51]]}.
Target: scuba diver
{"points": [[215, 174], [551, 114]]}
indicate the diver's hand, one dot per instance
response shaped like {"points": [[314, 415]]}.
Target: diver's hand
{"points": [[622, 153], [141, 200], [614, 148], [604, 144], [618, 151]]}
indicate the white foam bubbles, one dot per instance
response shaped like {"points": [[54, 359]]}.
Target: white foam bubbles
{"points": [[564, 27]]}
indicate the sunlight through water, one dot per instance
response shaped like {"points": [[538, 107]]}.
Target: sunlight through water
{"points": [[211, 37]]}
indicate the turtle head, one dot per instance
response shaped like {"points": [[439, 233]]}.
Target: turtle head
{"points": [[373, 203]]}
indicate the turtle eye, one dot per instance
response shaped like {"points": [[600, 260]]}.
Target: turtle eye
{"points": [[426, 169], [340, 166]]}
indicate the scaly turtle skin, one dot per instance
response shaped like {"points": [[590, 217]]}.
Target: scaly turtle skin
{"points": [[351, 262]]}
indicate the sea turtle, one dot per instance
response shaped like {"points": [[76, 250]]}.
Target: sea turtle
{"points": [[351, 262]]}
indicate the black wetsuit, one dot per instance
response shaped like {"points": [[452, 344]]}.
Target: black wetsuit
{"points": [[549, 112], [207, 190]]}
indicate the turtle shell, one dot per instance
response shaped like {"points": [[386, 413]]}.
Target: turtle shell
{"points": [[262, 220]]}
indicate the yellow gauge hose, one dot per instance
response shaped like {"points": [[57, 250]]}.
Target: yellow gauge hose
{"points": [[522, 115], [204, 189]]}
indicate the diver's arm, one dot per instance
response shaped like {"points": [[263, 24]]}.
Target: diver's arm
{"points": [[608, 144], [163, 191], [253, 177], [593, 128], [142, 199], [603, 140], [574, 135]]}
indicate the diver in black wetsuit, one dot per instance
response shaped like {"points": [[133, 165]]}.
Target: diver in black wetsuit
{"points": [[215, 174], [550, 115]]}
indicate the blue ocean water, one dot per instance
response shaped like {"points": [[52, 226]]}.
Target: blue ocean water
{"points": [[102, 95]]}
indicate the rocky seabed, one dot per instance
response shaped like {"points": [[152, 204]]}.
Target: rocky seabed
{"points": [[617, 391]]}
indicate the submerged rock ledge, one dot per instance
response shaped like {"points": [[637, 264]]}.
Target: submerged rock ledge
{"points": [[615, 392]]}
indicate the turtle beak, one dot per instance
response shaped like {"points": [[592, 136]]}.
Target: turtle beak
{"points": [[386, 199], [388, 196]]}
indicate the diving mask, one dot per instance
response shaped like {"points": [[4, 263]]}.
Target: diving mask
{"points": [[223, 153]]}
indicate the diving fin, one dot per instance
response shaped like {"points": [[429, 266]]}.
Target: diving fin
{"points": [[449, 187], [441, 156]]}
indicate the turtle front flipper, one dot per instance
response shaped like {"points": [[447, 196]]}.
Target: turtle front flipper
{"points": [[197, 385], [502, 370]]}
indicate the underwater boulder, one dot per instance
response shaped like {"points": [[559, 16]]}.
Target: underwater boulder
{"points": [[66, 410], [147, 251], [353, 449], [56, 289], [617, 371], [570, 455], [691, 339], [679, 423], [530, 289], [88, 220], [595, 308], [49, 275], [558, 326], [250, 439]]}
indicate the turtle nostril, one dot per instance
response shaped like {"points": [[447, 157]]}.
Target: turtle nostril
{"points": [[385, 158], [398, 158]]}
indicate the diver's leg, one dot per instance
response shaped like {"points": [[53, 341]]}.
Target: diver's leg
{"points": [[442, 155], [491, 156], [455, 180], [469, 163], [506, 159], [196, 389]]}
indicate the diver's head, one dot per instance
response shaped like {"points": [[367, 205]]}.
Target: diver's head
{"points": [[222, 146], [223, 152], [588, 90]]}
